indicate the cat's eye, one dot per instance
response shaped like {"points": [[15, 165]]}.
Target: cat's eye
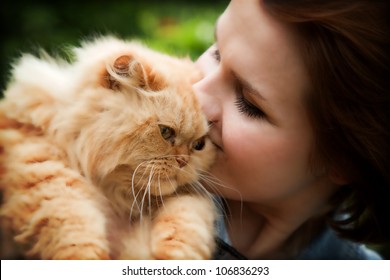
{"points": [[199, 144], [168, 133]]}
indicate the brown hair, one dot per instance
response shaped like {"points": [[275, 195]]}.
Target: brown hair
{"points": [[346, 49]]}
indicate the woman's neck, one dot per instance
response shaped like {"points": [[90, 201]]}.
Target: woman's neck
{"points": [[262, 230]]}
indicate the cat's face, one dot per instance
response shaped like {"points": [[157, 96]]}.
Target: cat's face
{"points": [[136, 121]]}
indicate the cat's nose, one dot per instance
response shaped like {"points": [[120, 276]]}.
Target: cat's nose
{"points": [[181, 161]]}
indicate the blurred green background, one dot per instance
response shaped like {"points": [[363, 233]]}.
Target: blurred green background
{"points": [[177, 27]]}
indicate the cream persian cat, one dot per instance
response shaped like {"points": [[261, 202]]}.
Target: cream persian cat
{"points": [[101, 158]]}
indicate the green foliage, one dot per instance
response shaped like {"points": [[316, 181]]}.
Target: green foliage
{"points": [[176, 27], [183, 34]]}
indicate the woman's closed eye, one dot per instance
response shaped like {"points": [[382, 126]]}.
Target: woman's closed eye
{"points": [[243, 105], [247, 108]]}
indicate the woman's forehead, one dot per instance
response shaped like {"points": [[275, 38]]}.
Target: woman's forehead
{"points": [[262, 50]]}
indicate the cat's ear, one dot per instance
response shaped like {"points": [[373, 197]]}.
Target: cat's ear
{"points": [[126, 70]]}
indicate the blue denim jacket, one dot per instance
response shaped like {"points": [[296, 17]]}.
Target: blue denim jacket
{"points": [[327, 246]]}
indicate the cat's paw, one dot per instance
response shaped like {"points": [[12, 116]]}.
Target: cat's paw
{"points": [[82, 252], [171, 243]]}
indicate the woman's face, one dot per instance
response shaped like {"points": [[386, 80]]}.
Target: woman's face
{"points": [[253, 93]]}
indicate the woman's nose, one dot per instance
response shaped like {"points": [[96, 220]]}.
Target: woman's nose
{"points": [[208, 98], [207, 88]]}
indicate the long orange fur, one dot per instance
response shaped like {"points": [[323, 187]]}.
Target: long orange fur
{"points": [[101, 158]]}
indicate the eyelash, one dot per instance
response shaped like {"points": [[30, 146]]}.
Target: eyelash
{"points": [[243, 105], [216, 55], [247, 108]]}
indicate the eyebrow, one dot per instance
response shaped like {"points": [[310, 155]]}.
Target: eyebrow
{"points": [[247, 86]]}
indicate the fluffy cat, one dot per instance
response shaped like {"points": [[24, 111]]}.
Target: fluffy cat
{"points": [[101, 158]]}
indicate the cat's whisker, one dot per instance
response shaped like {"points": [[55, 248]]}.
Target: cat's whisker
{"points": [[147, 189], [150, 203], [199, 189], [133, 187], [136, 170], [142, 192], [209, 178], [193, 170], [161, 195], [214, 184], [176, 189], [135, 201], [206, 176], [219, 200], [142, 204], [158, 184]]}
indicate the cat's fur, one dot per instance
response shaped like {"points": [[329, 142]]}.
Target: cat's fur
{"points": [[100, 158]]}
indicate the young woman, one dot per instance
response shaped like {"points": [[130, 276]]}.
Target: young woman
{"points": [[297, 95]]}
